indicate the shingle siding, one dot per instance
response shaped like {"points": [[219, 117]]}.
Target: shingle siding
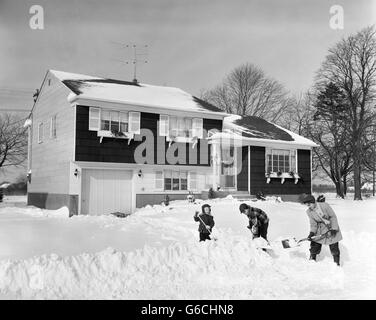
{"points": [[258, 179], [88, 147]]}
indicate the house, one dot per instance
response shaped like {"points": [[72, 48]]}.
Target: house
{"points": [[99, 145]]}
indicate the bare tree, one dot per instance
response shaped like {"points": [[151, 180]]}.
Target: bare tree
{"points": [[13, 141], [351, 65], [248, 91]]}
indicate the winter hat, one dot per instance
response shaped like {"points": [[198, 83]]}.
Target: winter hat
{"points": [[204, 206], [308, 199], [242, 207]]}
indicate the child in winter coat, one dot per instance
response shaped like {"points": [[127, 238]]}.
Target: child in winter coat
{"points": [[258, 220], [323, 221], [206, 222]]}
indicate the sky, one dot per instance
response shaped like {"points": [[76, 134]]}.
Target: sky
{"points": [[191, 44]]}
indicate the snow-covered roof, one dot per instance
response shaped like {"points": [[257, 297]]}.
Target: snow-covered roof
{"points": [[128, 92], [250, 129]]}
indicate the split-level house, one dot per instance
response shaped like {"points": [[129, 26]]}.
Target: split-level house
{"points": [[99, 145]]}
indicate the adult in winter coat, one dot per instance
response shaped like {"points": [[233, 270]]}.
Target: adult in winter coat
{"points": [[258, 220], [206, 222], [323, 221]]}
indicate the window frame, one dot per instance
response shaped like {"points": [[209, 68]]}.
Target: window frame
{"points": [[271, 162], [175, 174]]}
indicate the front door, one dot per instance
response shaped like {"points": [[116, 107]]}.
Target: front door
{"points": [[228, 167]]}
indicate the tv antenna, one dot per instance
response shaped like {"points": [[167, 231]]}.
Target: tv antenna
{"points": [[140, 53]]}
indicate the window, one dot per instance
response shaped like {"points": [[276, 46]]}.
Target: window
{"points": [[105, 120], [53, 127], [114, 125], [167, 180], [173, 126], [116, 121], [280, 160], [40, 132], [124, 121], [185, 127], [94, 118], [163, 125], [175, 180], [197, 127], [183, 180]]}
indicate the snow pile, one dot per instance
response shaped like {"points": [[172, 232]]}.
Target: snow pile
{"points": [[212, 270], [61, 213], [155, 254]]}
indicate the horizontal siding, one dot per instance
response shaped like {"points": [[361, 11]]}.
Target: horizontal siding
{"points": [[89, 148], [258, 180], [50, 159]]}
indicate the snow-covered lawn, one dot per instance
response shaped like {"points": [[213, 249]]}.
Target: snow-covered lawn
{"points": [[155, 254]]}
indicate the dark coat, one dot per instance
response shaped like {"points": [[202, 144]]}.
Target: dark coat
{"points": [[207, 219], [262, 217], [320, 226]]}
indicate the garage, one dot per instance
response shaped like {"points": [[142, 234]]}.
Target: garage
{"points": [[106, 191]]}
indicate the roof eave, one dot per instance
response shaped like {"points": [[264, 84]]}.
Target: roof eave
{"points": [[77, 99]]}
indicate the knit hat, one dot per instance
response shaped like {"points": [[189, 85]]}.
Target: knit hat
{"points": [[308, 199], [204, 206]]}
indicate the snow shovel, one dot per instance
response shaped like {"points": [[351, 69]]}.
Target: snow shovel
{"points": [[207, 228], [287, 243]]}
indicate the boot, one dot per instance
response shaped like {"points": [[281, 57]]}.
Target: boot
{"points": [[312, 257], [336, 259]]}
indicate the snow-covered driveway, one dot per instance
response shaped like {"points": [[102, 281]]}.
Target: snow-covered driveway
{"points": [[155, 254]]}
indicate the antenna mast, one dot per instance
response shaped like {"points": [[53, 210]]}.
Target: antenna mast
{"points": [[139, 56]]}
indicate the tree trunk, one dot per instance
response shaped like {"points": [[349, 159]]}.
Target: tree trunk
{"points": [[344, 185], [357, 177], [339, 189]]}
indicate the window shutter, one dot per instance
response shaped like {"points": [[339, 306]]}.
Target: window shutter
{"points": [[293, 166], [134, 122], [197, 127], [163, 125], [94, 119], [192, 181], [159, 180]]}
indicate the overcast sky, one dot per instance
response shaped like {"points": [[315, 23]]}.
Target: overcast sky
{"points": [[191, 44]]}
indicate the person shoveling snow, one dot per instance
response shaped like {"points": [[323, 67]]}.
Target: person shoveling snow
{"points": [[258, 220], [323, 221], [206, 222]]}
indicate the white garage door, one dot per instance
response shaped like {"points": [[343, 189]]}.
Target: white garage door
{"points": [[106, 191]]}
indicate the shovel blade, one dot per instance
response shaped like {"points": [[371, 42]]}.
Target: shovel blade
{"points": [[289, 243]]}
